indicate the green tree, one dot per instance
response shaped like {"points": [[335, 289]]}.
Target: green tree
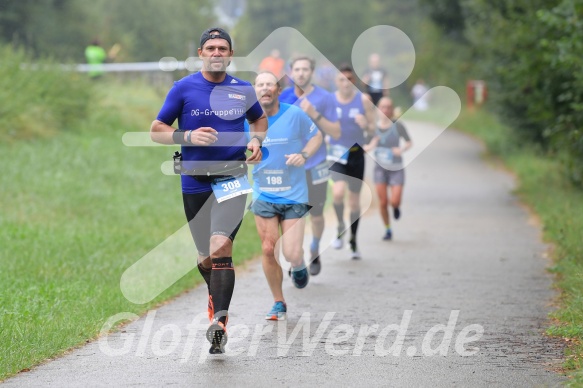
{"points": [[149, 29], [260, 19], [146, 29], [14, 20], [561, 55], [50, 27], [448, 15], [334, 26], [507, 43], [530, 53]]}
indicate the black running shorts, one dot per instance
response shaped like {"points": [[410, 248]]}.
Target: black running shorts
{"points": [[354, 168], [316, 195], [206, 217]]}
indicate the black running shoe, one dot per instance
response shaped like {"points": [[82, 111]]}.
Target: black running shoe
{"points": [[354, 249], [217, 336], [396, 213], [300, 277], [315, 264]]}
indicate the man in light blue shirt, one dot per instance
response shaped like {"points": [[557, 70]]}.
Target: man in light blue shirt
{"points": [[280, 196]]}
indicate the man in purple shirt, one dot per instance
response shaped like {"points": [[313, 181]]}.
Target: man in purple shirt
{"points": [[320, 106], [211, 107]]}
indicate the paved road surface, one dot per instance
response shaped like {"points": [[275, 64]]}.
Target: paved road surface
{"points": [[465, 252]]}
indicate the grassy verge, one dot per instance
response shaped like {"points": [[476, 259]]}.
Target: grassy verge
{"points": [[544, 187], [78, 208]]}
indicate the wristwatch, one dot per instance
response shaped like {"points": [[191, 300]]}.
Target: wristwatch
{"points": [[260, 140], [304, 154]]}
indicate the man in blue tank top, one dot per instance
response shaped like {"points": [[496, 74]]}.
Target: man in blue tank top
{"points": [[280, 195], [320, 106], [356, 114], [211, 107]]}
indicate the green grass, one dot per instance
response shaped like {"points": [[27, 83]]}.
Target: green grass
{"points": [[41, 100], [78, 208], [544, 186]]}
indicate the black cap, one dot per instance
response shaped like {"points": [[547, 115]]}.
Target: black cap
{"points": [[217, 32]]}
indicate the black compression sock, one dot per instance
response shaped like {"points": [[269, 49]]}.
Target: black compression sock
{"points": [[206, 274], [222, 284], [354, 217]]}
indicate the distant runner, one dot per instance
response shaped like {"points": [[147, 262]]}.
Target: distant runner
{"points": [[356, 114], [389, 170], [320, 106]]}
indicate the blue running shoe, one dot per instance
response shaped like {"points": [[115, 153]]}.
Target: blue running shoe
{"points": [[300, 277], [388, 235], [278, 312]]}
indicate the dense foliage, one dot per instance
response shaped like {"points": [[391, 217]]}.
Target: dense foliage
{"points": [[145, 29], [531, 53]]}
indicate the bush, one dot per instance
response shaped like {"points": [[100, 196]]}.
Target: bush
{"points": [[561, 50], [39, 99], [531, 51]]}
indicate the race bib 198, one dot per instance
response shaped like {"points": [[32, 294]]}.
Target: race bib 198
{"points": [[273, 180]]}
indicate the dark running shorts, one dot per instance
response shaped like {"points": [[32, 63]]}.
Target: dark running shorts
{"points": [[317, 195], [353, 168], [206, 217]]}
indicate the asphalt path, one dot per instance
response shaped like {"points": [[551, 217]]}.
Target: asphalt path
{"points": [[460, 297]]}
